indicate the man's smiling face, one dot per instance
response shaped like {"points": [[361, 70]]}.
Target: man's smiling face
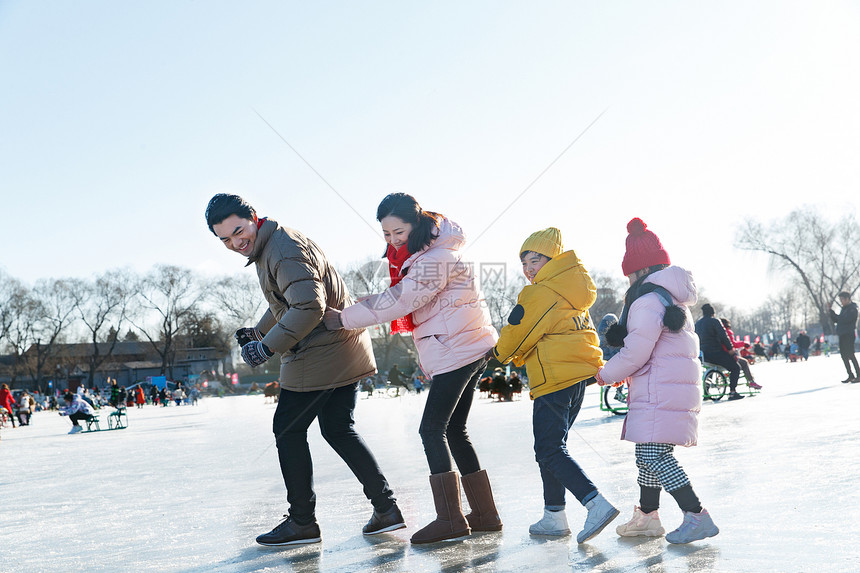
{"points": [[237, 234]]}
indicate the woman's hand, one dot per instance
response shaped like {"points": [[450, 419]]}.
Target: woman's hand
{"points": [[332, 319]]}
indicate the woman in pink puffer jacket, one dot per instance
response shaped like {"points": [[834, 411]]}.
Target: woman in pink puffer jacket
{"points": [[659, 360], [433, 296]]}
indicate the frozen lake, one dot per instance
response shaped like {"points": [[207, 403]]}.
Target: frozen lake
{"points": [[189, 488]]}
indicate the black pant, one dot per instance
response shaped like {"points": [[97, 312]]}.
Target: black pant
{"points": [[443, 425], [727, 361], [79, 416], [334, 409], [846, 349]]}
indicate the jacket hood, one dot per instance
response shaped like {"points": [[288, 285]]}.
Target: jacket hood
{"points": [[678, 281], [450, 236], [563, 275]]}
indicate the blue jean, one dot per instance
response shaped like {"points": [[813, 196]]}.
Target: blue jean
{"points": [[552, 416], [443, 425], [334, 409]]}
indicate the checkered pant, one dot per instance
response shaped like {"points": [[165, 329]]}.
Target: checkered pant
{"points": [[659, 468]]}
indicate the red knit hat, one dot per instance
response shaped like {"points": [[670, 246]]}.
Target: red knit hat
{"points": [[643, 248]]}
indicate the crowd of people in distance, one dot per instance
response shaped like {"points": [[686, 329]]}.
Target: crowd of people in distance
{"points": [[396, 379], [18, 408], [502, 387]]}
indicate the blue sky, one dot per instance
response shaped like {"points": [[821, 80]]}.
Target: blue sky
{"points": [[118, 121]]}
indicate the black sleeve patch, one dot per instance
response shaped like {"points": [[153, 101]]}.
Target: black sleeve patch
{"points": [[517, 315]]}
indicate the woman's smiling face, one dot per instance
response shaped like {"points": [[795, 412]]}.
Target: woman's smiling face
{"points": [[395, 230]]}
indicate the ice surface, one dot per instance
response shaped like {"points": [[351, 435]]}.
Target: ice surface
{"points": [[188, 488]]}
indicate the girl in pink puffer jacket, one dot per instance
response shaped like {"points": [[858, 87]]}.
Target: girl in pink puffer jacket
{"points": [[659, 359]]}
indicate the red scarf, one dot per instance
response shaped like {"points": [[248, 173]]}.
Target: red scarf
{"points": [[259, 222], [396, 258]]}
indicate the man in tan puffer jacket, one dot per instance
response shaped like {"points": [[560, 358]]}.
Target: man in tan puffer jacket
{"points": [[319, 371]]}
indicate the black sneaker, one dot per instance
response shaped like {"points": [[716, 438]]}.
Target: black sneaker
{"points": [[382, 522], [291, 533], [849, 380], [735, 396]]}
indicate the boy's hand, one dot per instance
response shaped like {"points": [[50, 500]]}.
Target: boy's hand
{"points": [[599, 378]]}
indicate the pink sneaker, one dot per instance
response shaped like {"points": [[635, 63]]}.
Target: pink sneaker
{"points": [[641, 524], [755, 385]]}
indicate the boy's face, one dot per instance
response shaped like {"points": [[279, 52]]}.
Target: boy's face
{"points": [[532, 263], [237, 234]]}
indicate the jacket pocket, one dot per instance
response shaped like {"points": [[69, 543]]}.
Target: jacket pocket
{"points": [[431, 353], [434, 325]]}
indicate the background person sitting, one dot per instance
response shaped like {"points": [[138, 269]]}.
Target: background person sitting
{"points": [[516, 383], [76, 409], [775, 349], [713, 342], [499, 386], [743, 362], [26, 406]]}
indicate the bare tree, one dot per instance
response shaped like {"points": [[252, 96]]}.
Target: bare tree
{"points": [[102, 304], [10, 291], [22, 314], [610, 295], [55, 311], [368, 278], [170, 295], [822, 254], [203, 328], [237, 300], [501, 289]]}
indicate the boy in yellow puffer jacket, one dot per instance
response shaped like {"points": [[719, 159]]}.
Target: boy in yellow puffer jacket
{"points": [[550, 331]]}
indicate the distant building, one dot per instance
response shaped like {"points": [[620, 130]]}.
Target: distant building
{"points": [[129, 363]]}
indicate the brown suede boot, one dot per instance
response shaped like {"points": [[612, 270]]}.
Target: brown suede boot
{"points": [[484, 515], [450, 521]]}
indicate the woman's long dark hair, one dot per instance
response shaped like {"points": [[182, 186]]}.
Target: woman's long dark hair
{"points": [[406, 208]]}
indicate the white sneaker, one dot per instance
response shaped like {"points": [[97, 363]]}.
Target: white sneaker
{"points": [[553, 523], [600, 513], [644, 524], [76, 429], [695, 526]]}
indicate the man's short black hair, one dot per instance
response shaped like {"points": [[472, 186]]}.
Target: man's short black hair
{"points": [[223, 205], [845, 294], [707, 310]]}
